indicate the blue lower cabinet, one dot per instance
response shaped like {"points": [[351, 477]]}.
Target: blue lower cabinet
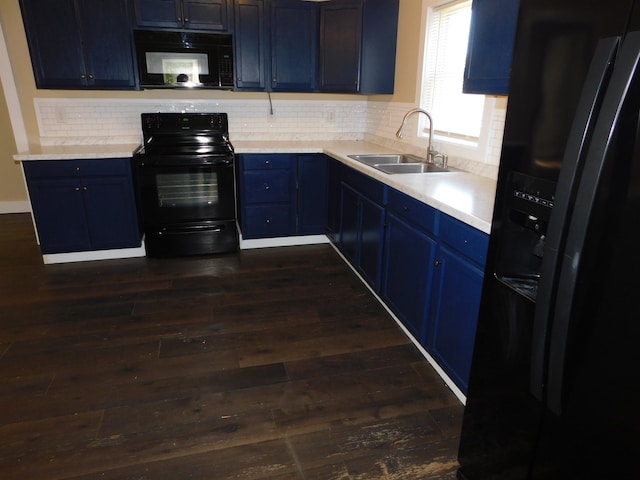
{"points": [[83, 205], [282, 194], [433, 271], [455, 304], [406, 287], [312, 194], [361, 230]]}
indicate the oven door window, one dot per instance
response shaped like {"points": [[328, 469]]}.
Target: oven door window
{"points": [[187, 190], [173, 194]]}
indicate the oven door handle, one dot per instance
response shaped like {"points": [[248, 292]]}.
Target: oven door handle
{"points": [[191, 229]]}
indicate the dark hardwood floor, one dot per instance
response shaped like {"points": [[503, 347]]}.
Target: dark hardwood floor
{"points": [[270, 364]]}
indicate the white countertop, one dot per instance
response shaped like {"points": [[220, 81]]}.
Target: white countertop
{"points": [[75, 152], [462, 195]]}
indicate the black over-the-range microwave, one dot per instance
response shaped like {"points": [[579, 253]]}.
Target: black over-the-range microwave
{"points": [[184, 60]]}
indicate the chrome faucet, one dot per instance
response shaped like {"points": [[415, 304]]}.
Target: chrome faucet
{"points": [[431, 153]]}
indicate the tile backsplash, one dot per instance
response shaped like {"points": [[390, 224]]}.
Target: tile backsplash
{"points": [[84, 121]]}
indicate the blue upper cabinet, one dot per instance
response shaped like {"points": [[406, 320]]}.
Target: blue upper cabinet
{"points": [[210, 15], [491, 39], [345, 46], [358, 46], [294, 46], [80, 43], [276, 45], [250, 43]]}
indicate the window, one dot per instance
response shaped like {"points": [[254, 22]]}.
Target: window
{"points": [[460, 120]]}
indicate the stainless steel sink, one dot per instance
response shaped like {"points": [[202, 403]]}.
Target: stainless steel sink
{"points": [[385, 159], [395, 168], [399, 163]]}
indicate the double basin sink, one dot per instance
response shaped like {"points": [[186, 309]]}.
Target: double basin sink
{"points": [[392, 163]]}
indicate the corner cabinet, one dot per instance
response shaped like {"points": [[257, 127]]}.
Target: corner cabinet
{"points": [[282, 195], [361, 223], [97, 50], [83, 205], [212, 15], [358, 46], [491, 40]]}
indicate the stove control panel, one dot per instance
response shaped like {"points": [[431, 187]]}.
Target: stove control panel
{"points": [[184, 122]]}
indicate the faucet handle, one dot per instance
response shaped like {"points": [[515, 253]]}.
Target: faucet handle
{"points": [[443, 157]]}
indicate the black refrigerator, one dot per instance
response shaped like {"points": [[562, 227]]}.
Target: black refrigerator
{"points": [[554, 391]]}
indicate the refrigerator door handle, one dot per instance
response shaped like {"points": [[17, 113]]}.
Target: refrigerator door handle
{"points": [[598, 156], [572, 164]]}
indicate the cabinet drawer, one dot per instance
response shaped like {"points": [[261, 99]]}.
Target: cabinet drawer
{"points": [[77, 168], [256, 161], [367, 186], [265, 221], [465, 239], [412, 210], [267, 186]]}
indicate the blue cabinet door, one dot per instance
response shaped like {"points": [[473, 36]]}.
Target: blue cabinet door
{"points": [[48, 25], [454, 314], [60, 215], [158, 13], [350, 223], [358, 46], [294, 46], [340, 34], [408, 264], [184, 14], [312, 192], [333, 202], [250, 43], [362, 231], [211, 15], [80, 43], [491, 39], [371, 241], [111, 213], [107, 44]]}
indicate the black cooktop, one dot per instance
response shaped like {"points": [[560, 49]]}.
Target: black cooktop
{"points": [[185, 134]]}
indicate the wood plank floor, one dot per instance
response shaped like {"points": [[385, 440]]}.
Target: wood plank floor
{"points": [[270, 364]]}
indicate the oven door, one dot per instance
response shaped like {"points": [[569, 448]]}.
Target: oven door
{"points": [[172, 193]]}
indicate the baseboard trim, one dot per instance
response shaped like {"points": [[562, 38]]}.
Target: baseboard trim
{"points": [[282, 241], [447, 380], [135, 252], [15, 207]]}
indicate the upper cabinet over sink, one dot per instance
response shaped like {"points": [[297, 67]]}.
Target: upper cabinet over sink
{"points": [[183, 14], [80, 44]]}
